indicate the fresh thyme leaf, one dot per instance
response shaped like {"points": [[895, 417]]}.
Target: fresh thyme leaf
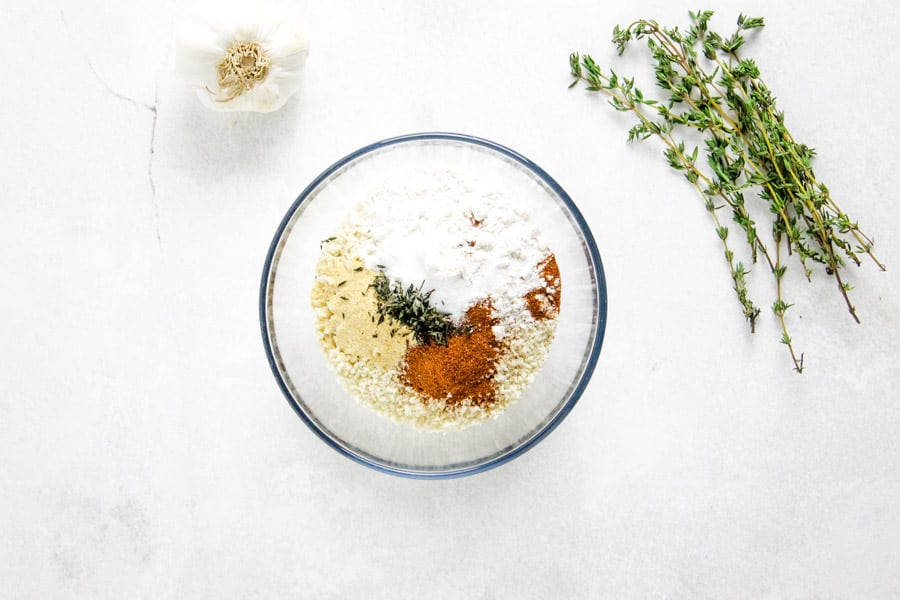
{"points": [[411, 306], [710, 89]]}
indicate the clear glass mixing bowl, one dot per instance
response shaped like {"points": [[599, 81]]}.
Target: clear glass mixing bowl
{"points": [[316, 393]]}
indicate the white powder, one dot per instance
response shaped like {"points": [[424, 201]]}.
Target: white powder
{"points": [[460, 237]]}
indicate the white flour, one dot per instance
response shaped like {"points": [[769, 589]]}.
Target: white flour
{"points": [[461, 238]]}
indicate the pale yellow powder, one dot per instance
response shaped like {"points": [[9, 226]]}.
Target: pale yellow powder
{"points": [[347, 313]]}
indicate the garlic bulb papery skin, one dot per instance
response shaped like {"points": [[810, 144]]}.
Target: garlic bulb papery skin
{"points": [[241, 57]]}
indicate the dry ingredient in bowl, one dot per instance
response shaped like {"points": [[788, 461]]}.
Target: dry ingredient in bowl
{"points": [[437, 299]]}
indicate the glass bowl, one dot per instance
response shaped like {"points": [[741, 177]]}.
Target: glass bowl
{"points": [[316, 393]]}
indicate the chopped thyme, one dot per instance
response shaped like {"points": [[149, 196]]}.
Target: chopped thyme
{"points": [[411, 306]]}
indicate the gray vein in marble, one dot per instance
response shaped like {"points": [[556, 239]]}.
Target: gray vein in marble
{"points": [[151, 108], [152, 181]]}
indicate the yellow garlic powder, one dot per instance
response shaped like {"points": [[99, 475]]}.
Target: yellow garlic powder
{"points": [[347, 313]]}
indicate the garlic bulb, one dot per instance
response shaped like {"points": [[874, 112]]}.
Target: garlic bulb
{"points": [[242, 57]]}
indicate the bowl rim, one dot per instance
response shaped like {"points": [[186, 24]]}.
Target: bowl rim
{"points": [[590, 364]]}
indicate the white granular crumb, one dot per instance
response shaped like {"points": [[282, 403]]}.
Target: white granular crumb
{"points": [[466, 242]]}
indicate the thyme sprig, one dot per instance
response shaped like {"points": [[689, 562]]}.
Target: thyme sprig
{"points": [[714, 92], [411, 306]]}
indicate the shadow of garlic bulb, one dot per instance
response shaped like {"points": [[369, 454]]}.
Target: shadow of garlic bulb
{"points": [[241, 58]]}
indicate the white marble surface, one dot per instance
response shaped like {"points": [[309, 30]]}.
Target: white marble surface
{"points": [[146, 452]]}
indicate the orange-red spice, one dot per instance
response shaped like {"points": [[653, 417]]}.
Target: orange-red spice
{"points": [[463, 369], [543, 302]]}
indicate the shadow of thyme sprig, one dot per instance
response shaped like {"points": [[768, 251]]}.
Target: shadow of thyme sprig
{"points": [[747, 148], [411, 306]]}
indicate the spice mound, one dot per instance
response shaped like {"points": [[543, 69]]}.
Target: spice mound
{"points": [[436, 300]]}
